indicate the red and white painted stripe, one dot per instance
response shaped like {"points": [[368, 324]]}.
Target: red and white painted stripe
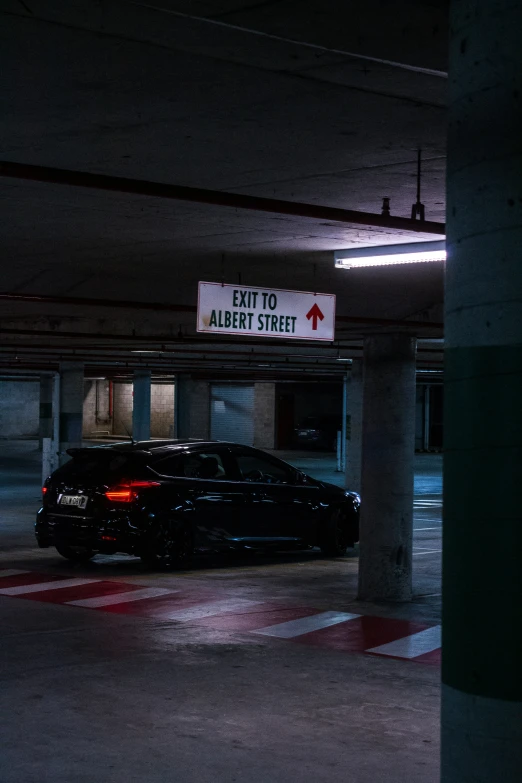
{"points": [[340, 631]]}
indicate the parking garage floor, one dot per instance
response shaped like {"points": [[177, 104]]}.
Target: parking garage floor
{"points": [[245, 669]]}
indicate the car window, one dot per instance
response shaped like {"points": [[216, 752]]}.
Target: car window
{"points": [[261, 470], [203, 465], [170, 466], [101, 464]]}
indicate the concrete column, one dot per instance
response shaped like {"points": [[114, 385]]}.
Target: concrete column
{"points": [[264, 415], [141, 405], [354, 427], [482, 582], [45, 429], [192, 408], [388, 443], [71, 408], [426, 418]]}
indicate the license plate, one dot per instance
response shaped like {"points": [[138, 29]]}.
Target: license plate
{"points": [[78, 501]]}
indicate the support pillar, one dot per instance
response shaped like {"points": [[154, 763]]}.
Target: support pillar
{"points": [[192, 408], [264, 415], [354, 427], [141, 405], [71, 408], [482, 582], [388, 443], [45, 429]]}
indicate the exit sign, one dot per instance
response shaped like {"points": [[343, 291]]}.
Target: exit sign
{"points": [[265, 312]]}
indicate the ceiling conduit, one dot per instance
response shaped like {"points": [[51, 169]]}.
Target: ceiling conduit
{"points": [[218, 198]]}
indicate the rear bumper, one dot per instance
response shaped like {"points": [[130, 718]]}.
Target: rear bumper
{"points": [[113, 535]]}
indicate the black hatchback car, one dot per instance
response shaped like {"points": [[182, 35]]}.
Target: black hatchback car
{"points": [[165, 500]]}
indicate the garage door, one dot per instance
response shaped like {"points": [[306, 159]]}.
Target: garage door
{"points": [[232, 413]]}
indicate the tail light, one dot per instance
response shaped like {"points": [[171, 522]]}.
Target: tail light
{"points": [[45, 488], [127, 491]]}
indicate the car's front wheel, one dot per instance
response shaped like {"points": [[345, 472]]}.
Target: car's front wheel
{"points": [[335, 538], [169, 544], [79, 554]]}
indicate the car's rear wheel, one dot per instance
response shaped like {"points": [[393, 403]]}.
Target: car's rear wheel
{"points": [[79, 554], [169, 545], [335, 538]]}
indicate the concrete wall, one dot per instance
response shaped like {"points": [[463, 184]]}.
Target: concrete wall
{"points": [[94, 425], [19, 409], [264, 415]]}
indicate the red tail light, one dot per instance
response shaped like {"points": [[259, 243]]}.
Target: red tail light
{"points": [[126, 492]]}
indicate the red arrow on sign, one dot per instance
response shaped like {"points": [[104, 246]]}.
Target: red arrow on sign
{"points": [[315, 313]]}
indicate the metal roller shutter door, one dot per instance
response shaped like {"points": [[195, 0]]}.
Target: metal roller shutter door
{"points": [[232, 413]]}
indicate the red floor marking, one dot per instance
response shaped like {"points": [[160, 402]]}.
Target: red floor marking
{"points": [[157, 608], [355, 636], [80, 591], [256, 617], [360, 634], [32, 578]]}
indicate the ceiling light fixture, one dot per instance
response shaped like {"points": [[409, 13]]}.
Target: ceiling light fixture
{"points": [[383, 255]]}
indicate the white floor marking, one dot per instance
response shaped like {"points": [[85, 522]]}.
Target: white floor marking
{"points": [[12, 572], [42, 586], [412, 646], [306, 624], [209, 610], [121, 598], [427, 552], [415, 529]]}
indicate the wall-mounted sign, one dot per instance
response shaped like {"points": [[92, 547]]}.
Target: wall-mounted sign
{"points": [[264, 312]]}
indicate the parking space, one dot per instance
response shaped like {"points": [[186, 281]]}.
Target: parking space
{"points": [[291, 572], [110, 654]]}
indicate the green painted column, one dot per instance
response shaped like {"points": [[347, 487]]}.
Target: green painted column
{"points": [[482, 562]]}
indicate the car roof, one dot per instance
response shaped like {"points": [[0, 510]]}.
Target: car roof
{"points": [[159, 447], [159, 444]]}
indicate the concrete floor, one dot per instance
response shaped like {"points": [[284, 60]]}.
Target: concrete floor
{"points": [[126, 694]]}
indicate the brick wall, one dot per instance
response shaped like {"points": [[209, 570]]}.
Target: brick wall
{"points": [[122, 409], [162, 410]]}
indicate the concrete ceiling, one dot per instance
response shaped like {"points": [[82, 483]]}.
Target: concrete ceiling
{"points": [[323, 103]]}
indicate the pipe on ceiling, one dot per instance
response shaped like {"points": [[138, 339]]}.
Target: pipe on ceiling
{"points": [[82, 301], [84, 179]]}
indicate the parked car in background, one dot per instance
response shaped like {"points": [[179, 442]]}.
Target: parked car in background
{"points": [[165, 500], [318, 432]]}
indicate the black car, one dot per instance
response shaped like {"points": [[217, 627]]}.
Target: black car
{"points": [[165, 500], [318, 432]]}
